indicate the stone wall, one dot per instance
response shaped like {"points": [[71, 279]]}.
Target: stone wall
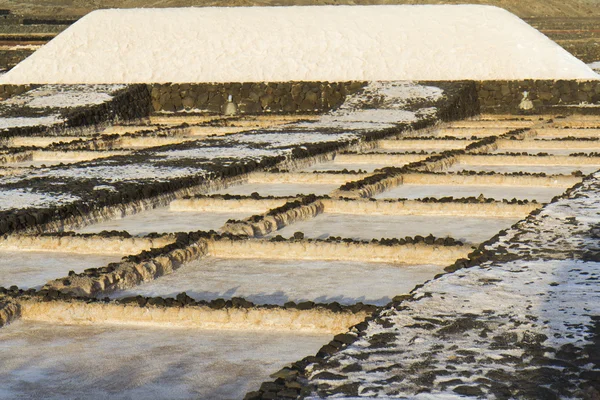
{"points": [[517, 97], [539, 96], [252, 98], [8, 91]]}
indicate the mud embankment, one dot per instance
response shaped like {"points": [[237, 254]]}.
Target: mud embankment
{"points": [[419, 253], [9, 311], [274, 221], [84, 244], [128, 274], [317, 320]]}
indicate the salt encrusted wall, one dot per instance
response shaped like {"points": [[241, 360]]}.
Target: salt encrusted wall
{"points": [[252, 98], [538, 96], [130, 103]]}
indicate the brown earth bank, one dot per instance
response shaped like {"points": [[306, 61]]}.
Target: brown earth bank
{"points": [[524, 9]]}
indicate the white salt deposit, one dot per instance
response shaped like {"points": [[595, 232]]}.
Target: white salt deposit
{"points": [[23, 198], [367, 227], [324, 43], [595, 66], [19, 122], [33, 269], [65, 97], [165, 220], [106, 362], [117, 173], [278, 281]]}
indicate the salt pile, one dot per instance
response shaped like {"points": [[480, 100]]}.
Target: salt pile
{"points": [[280, 44]]}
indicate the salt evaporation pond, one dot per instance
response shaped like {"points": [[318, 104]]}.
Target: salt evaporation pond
{"points": [[32, 269], [39, 163], [541, 194], [278, 189], [537, 150], [335, 166], [164, 220], [550, 170], [264, 281], [367, 227], [51, 361]]}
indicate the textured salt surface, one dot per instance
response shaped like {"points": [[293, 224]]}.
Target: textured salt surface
{"points": [[21, 198], [327, 43], [278, 189], [16, 122], [550, 170], [380, 105], [165, 220], [106, 362], [367, 227], [117, 173], [278, 281], [525, 328], [541, 194], [56, 96], [33, 269]]}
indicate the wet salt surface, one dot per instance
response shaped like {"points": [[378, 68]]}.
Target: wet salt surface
{"points": [[541, 194], [164, 220], [367, 227], [278, 189], [265, 281], [50, 361], [550, 170], [33, 269]]}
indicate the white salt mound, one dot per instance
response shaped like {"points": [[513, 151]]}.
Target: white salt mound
{"points": [[280, 44]]}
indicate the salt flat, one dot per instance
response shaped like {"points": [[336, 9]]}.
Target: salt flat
{"points": [[165, 220], [115, 362], [265, 281], [367, 227], [32, 269], [541, 194]]}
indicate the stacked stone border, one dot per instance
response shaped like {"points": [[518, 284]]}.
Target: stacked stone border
{"points": [[514, 96]]}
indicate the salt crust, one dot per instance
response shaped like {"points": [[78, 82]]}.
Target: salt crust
{"points": [[55, 96], [549, 284], [21, 198], [281, 44]]}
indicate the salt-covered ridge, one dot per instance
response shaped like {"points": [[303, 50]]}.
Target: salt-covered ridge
{"points": [[326, 43]]}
